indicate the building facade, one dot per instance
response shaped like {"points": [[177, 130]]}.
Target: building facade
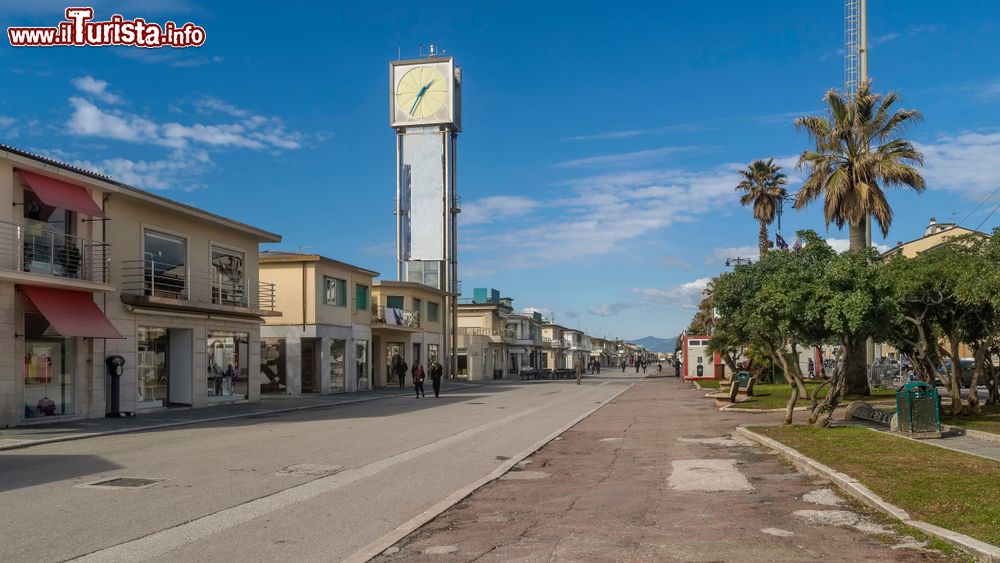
{"points": [[322, 342], [484, 337], [407, 321], [105, 287]]}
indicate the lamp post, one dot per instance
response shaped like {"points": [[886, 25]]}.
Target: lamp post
{"points": [[738, 261]]}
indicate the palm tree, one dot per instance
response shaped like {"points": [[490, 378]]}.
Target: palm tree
{"points": [[859, 151], [763, 186]]}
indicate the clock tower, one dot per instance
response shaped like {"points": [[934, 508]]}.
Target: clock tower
{"points": [[425, 112]]}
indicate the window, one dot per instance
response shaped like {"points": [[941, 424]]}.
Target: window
{"points": [[228, 277], [360, 297], [432, 353], [394, 302], [432, 312], [336, 291], [164, 265], [338, 364], [417, 306], [427, 272]]}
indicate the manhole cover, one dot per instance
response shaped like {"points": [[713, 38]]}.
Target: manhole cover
{"points": [[124, 483]]}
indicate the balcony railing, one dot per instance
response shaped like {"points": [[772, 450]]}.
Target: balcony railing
{"points": [[392, 316], [553, 343], [480, 331], [37, 249], [152, 278]]}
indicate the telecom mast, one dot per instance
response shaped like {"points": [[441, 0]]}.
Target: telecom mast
{"points": [[856, 72]]}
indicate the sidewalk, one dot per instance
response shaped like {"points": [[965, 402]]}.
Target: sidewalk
{"points": [[65, 430], [656, 475]]}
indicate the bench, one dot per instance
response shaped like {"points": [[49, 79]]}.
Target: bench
{"points": [[740, 389]]}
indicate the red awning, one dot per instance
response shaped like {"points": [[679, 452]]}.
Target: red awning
{"points": [[58, 193], [71, 313]]}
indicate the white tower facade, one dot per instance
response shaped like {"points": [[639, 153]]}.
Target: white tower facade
{"points": [[425, 111]]}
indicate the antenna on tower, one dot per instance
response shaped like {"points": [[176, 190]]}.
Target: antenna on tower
{"points": [[855, 45]]}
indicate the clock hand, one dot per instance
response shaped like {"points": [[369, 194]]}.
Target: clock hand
{"points": [[420, 95]]}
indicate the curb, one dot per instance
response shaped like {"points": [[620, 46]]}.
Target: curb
{"points": [[979, 549], [115, 432], [733, 408], [979, 434], [376, 548]]}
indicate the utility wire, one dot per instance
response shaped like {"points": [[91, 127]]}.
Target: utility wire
{"points": [[981, 203], [990, 215]]}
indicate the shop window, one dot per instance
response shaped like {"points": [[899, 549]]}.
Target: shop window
{"points": [[463, 364], [361, 362], [432, 353], [272, 366], [48, 370], [228, 356]]}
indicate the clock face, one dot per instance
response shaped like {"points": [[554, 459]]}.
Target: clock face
{"points": [[421, 92]]}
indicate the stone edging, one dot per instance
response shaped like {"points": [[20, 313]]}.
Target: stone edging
{"points": [[979, 549], [734, 408], [979, 434]]}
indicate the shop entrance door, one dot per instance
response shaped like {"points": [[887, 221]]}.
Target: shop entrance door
{"points": [[152, 367], [309, 380], [393, 349]]}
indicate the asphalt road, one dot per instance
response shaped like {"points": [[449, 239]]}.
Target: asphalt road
{"points": [[227, 493]]}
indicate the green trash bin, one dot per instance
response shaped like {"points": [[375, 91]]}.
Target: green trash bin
{"points": [[917, 408]]}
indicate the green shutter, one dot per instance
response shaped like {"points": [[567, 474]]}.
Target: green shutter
{"points": [[394, 302], [361, 297], [342, 293]]}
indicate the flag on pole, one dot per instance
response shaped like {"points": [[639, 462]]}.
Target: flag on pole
{"points": [[797, 245], [780, 242]]}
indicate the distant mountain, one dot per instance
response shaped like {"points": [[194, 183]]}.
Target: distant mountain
{"points": [[659, 345]]}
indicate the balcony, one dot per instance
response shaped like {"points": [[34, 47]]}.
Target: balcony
{"points": [[553, 343], [166, 286], [391, 317], [35, 248]]}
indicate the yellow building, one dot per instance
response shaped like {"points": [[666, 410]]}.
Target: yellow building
{"points": [[407, 320], [94, 271], [484, 338], [321, 343], [935, 234]]}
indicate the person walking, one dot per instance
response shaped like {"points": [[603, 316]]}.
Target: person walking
{"points": [[418, 375], [437, 371], [623, 366], [398, 369], [579, 370], [637, 362], [644, 363]]}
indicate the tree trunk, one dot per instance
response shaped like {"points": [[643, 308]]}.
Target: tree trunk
{"points": [[796, 383], [980, 356], [956, 376], [856, 361], [762, 238], [821, 415]]}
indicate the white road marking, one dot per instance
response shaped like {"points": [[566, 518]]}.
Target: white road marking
{"points": [[165, 541], [707, 475]]}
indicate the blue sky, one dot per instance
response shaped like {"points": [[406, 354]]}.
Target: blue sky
{"points": [[600, 142]]}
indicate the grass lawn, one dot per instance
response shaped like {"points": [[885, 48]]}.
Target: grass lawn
{"points": [[949, 489], [708, 383], [988, 421], [775, 396]]}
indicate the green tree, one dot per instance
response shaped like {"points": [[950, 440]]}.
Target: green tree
{"points": [[859, 151], [763, 187]]}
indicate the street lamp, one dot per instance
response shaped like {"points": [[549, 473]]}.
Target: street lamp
{"points": [[738, 261]]}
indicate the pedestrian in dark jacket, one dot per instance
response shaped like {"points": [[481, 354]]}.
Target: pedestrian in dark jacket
{"points": [[399, 370], [418, 375], [437, 372]]}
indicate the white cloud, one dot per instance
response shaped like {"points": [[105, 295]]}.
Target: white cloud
{"points": [[496, 208], [630, 133], [90, 120], [177, 171], [964, 162], [96, 88], [843, 245], [686, 295], [622, 158], [8, 128], [248, 131], [610, 309]]}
